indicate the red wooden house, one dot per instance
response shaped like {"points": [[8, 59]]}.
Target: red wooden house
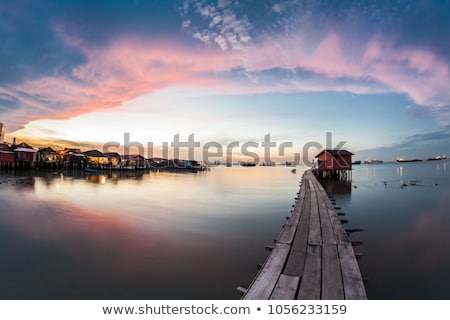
{"points": [[334, 160]]}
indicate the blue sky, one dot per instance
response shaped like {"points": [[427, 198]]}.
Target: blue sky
{"points": [[375, 73]]}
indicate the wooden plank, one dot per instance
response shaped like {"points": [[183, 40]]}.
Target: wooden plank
{"points": [[332, 287], [314, 235], [328, 236], [311, 281], [286, 288], [288, 232], [339, 232], [267, 278], [351, 275], [301, 194], [296, 260]]}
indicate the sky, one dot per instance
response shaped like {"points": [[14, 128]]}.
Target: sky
{"points": [[373, 73]]}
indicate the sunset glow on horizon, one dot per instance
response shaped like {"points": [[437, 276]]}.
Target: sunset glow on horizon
{"points": [[84, 73]]}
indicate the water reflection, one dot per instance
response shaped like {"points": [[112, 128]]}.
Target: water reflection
{"points": [[97, 178], [124, 235], [343, 186], [405, 229]]}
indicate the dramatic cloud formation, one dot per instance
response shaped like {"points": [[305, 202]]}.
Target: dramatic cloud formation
{"points": [[59, 61], [117, 73]]}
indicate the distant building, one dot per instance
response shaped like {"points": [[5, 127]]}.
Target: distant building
{"points": [[47, 155], [114, 159], [2, 133], [95, 157], [134, 161], [25, 157]]}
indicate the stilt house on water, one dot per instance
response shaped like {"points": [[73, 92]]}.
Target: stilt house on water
{"points": [[333, 163]]}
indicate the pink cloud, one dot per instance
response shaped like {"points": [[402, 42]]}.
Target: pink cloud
{"points": [[124, 70], [419, 73], [129, 67]]}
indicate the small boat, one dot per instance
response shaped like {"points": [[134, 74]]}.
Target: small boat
{"points": [[248, 164], [93, 170], [373, 161]]}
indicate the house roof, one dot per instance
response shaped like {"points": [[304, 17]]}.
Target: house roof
{"points": [[336, 153], [24, 145], [132, 156], [47, 150], [24, 150], [112, 154], [4, 146], [93, 153]]}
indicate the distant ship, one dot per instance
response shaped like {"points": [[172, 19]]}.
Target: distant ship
{"points": [[248, 164], [408, 160], [373, 161], [356, 162], [438, 157]]}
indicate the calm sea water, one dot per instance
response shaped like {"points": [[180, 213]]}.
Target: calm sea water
{"points": [[404, 210], [151, 236], [199, 236]]}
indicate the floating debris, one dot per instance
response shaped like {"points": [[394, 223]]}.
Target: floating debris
{"points": [[415, 182]]}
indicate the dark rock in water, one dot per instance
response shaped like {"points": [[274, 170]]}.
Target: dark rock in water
{"points": [[355, 187]]}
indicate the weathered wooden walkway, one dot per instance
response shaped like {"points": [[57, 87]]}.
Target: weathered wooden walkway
{"points": [[313, 257]]}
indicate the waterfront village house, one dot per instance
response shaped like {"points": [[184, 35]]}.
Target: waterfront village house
{"points": [[95, 157], [114, 159], [334, 160], [48, 155], [135, 161], [72, 157], [158, 162], [25, 156]]}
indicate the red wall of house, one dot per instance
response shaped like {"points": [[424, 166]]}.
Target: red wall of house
{"points": [[327, 162], [7, 157]]}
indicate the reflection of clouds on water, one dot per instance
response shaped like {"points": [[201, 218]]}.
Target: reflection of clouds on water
{"points": [[423, 243], [406, 230], [165, 235]]}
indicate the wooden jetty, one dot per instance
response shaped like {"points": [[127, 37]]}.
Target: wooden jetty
{"points": [[313, 257]]}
